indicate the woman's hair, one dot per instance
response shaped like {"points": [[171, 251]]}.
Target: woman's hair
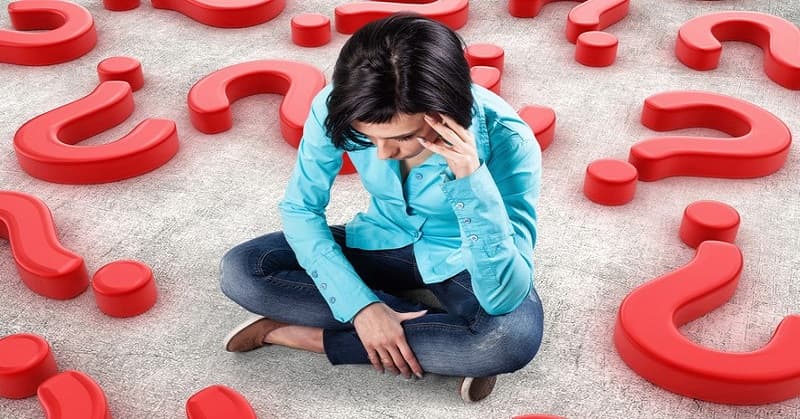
{"points": [[404, 63]]}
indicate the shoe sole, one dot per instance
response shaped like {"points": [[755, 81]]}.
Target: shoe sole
{"points": [[245, 324], [466, 385]]}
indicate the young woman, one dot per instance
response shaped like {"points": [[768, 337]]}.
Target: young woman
{"points": [[454, 176]]}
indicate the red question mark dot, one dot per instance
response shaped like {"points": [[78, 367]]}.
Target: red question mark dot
{"points": [[124, 288], [596, 49], [25, 362], [311, 30], [488, 77], [125, 69], [709, 220], [485, 54], [610, 182]]}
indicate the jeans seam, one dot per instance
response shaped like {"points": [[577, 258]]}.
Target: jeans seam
{"points": [[259, 270]]}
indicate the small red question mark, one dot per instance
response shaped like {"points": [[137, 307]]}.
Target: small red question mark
{"points": [[648, 340], [210, 98], [584, 23], [70, 33], [698, 44], [225, 13], [760, 147], [27, 367], [351, 17], [122, 289], [44, 145]]}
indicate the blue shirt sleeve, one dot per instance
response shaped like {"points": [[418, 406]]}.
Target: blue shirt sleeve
{"points": [[306, 228], [496, 209]]}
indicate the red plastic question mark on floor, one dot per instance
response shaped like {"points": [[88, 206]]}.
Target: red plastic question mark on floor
{"points": [[218, 401], [698, 44], [122, 288], [73, 395], [225, 13], [760, 147], [46, 267], [593, 49], [69, 33], [210, 98], [648, 340], [351, 17], [44, 145]]}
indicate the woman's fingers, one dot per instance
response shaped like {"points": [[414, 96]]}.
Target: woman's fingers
{"points": [[462, 132], [447, 134], [410, 358], [399, 361], [375, 359]]}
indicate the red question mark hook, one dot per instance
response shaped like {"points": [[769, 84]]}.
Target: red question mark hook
{"points": [[351, 17], [44, 145], [46, 267], [698, 45], [648, 340], [225, 13], [760, 147], [71, 33], [210, 98]]}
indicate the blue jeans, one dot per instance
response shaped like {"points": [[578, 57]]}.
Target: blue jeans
{"points": [[262, 275]]}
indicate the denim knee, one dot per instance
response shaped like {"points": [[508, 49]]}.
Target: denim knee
{"points": [[233, 261]]}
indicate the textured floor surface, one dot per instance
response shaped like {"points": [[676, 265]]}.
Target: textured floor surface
{"points": [[223, 189]]}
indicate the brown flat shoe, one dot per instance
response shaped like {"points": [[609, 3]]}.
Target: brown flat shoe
{"points": [[473, 389], [250, 334]]}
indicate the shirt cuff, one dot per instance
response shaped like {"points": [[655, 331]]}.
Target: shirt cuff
{"points": [[477, 203], [340, 286]]}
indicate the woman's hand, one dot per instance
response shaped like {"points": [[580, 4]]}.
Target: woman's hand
{"points": [[378, 327], [455, 143]]}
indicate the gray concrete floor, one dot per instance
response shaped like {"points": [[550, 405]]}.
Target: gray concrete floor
{"points": [[223, 189]]}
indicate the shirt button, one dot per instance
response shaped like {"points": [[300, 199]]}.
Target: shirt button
{"points": [[332, 300], [459, 205], [418, 176], [313, 274], [473, 238], [467, 221], [323, 285], [419, 234]]}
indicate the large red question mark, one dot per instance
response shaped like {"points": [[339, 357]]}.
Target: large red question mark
{"points": [[698, 45], [44, 145], [760, 145], [123, 288], [648, 340], [210, 98], [219, 401], [349, 18], [70, 33], [225, 13]]}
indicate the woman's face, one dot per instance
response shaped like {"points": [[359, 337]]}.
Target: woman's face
{"points": [[397, 139]]}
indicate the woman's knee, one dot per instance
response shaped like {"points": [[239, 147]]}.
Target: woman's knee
{"points": [[517, 336]]}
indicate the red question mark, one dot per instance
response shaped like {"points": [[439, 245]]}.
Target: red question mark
{"points": [[648, 340], [760, 147], [122, 289], [219, 401], [351, 17], [44, 145], [70, 33], [584, 23], [210, 98], [225, 13], [698, 44], [27, 367]]}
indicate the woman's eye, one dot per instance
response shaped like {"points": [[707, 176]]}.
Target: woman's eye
{"points": [[407, 138]]}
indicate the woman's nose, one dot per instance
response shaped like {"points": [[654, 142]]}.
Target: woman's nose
{"points": [[385, 151]]}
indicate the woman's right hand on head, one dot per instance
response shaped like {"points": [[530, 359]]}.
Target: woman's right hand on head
{"points": [[380, 331]]}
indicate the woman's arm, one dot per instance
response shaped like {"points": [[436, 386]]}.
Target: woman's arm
{"points": [[306, 228], [496, 209]]}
